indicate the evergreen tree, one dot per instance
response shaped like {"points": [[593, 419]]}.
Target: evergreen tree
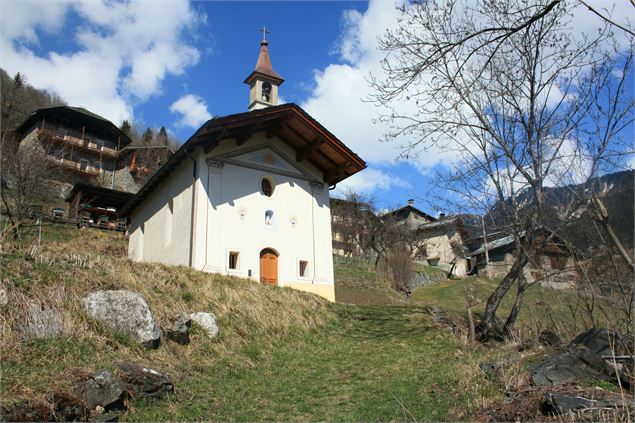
{"points": [[162, 138], [148, 136], [126, 128]]}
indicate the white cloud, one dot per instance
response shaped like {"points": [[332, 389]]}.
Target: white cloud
{"points": [[336, 99], [369, 180], [123, 51], [193, 111], [340, 89]]}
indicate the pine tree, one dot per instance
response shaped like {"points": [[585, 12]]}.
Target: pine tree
{"points": [[148, 136], [126, 128], [162, 138]]}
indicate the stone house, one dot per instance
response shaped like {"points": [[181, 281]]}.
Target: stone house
{"points": [[86, 148], [554, 264]]}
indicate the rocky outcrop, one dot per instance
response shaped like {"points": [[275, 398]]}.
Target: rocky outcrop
{"points": [[179, 331], [96, 396], [124, 311], [587, 357], [40, 323], [102, 389], [143, 382], [207, 321]]}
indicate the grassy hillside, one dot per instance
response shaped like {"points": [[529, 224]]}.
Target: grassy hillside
{"points": [[561, 311], [281, 354]]}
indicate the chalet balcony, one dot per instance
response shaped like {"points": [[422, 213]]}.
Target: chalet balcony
{"points": [[90, 145], [82, 167]]}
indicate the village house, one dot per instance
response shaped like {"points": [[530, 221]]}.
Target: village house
{"points": [[247, 195], [554, 265], [86, 148], [441, 240]]}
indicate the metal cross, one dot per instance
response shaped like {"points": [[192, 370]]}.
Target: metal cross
{"points": [[264, 33]]}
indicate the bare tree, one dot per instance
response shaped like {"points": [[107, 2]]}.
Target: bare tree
{"points": [[519, 101], [25, 169]]}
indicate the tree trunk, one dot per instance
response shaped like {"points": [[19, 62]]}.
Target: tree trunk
{"points": [[513, 314], [488, 324], [14, 223], [602, 215]]}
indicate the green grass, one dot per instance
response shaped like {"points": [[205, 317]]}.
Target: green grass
{"points": [[281, 354], [543, 308], [359, 283], [369, 364]]}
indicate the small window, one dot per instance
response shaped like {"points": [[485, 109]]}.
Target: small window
{"points": [[267, 187], [98, 167], [233, 260], [303, 268]]}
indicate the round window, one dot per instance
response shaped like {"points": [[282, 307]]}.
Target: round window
{"points": [[267, 187]]}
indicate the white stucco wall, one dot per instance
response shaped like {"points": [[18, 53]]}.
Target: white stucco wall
{"points": [[230, 215], [158, 234]]}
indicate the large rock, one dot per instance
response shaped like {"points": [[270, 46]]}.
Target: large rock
{"points": [[61, 406], [575, 363], [587, 357], [557, 403], [603, 342], [144, 382], [179, 331], [207, 321], [102, 389], [124, 311], [40, 323]]}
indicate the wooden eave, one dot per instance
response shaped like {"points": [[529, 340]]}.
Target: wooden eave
{"points": [[311, 141]]}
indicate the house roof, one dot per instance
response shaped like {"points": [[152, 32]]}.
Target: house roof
{"points": [[77, 116], [494, 244], [99, 196], [294, 126], [404, 212], [556, 245]]}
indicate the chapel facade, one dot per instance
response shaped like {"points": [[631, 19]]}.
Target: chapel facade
{"points": [[247, 195]]}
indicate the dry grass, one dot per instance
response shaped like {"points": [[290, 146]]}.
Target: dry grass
{"points": [[70, 264]]}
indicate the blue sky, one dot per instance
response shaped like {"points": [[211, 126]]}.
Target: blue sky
{"points": [[176, 63]]}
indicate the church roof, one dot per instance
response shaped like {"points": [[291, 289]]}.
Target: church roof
{"points": [[288, 122], [263, 65]]}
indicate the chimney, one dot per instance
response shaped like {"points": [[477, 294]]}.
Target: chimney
{"points": [[441, 215], [411, 202]]}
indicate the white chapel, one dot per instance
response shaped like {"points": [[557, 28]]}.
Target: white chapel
{"points": [[247, 195]]}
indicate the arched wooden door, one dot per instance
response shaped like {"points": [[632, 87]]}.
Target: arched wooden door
{"points": [[268, 267]]}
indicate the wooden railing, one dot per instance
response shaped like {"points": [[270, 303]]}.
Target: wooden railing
{"points": [[76, 166], [85, 143]]}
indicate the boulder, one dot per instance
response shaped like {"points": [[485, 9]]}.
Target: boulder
{"points": [[41, 323], [102, 389], [207, 321], [144, 382], [179, 331], [63, 407], [556, 403], [575, 363], [602, 341], [27, 411], [548, 338], [124, 311], [67, 407]]}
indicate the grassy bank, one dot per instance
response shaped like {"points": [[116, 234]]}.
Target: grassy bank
{"points": [[563, 311], [281, 354]]}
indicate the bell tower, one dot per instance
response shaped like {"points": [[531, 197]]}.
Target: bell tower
{"points": [[263, 81]]}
